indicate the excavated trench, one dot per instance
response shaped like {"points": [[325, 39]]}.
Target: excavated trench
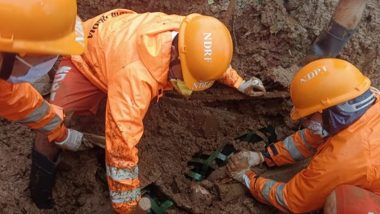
{"points": [[270, 37]]}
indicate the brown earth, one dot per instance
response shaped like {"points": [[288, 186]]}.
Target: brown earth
{"points": [[270, 37]]}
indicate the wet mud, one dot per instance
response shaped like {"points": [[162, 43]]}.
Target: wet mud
{"points": [[270, 38]]}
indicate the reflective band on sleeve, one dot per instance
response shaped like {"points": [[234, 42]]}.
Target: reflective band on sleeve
{"points": [[36, 115], [247, 182], [292, 149], [308, 146], [51, 125], [122, 174], [280, 195], [266, 190], [125, 197]]}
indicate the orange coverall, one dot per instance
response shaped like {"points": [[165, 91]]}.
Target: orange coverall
{"points": [[351, 156], [21, 103], [127, 58]]}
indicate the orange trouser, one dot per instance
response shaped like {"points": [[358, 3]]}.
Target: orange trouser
{"points": [[74, 92]]}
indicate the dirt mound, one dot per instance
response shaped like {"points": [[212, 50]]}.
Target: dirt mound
{"points": [[270, 38]]}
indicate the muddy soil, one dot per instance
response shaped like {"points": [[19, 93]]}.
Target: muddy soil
{"points": [[270, 38]]}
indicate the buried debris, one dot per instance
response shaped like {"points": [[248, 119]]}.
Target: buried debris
{"points": [[266, 134], [203, 165], [158, 200]]}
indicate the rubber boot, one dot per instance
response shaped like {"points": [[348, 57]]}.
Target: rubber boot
{"points": [[329, 43], [42, 179]]}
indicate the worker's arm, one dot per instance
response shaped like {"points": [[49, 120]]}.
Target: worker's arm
{"points": [[339, 31], [296, 147], [231, 78], [251, 87], [21, 103], [129, 95], [306, 191], [349, 12]]}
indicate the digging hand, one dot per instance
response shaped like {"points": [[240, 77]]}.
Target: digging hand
{"points": [[78, 141], [240, 163], [143, 206], [252, 87], [72, 141]]}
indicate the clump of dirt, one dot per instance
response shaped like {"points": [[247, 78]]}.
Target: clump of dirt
{"points": [[270, 38]]}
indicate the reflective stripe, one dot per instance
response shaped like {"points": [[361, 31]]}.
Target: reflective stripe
{"points": [[36, 115], [266, 190], [280, 195], [125, 197], [247, 182], [292, 149], [122, 174], [52, 124], [307, 145]]}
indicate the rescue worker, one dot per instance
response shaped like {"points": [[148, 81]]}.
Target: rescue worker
{"points": [[342, 26], [341, 117], [132, 58], [32, 34]]}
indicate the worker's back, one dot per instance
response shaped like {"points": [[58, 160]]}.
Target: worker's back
{"points": [[351, 156], [362, 150], [357, 151], [121, 37]]}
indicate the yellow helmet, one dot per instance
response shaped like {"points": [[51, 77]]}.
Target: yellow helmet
{"points": [[41, 26], [324, 83], [205, 50]]}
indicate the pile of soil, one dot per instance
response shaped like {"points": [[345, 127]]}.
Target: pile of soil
{"points": [[270, 38]]}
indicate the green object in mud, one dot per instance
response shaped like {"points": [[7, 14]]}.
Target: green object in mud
{"points": [[208, 164], [195, 176], [203, 165], [160, 208], [159, 201]]}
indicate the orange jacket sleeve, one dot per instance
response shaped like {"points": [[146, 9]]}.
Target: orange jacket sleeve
{"points": [[129, 96], [308, 189], [299, 146], [21, 103], [231, 78]]}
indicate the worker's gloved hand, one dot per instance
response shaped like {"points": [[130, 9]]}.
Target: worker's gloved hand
{"points": [[240, 163], [72, 142], [252, 87], [143, 206], [329, 43], [317, 128]]}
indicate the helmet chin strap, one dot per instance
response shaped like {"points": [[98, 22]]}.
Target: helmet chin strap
{"points": [[7, 65]]}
